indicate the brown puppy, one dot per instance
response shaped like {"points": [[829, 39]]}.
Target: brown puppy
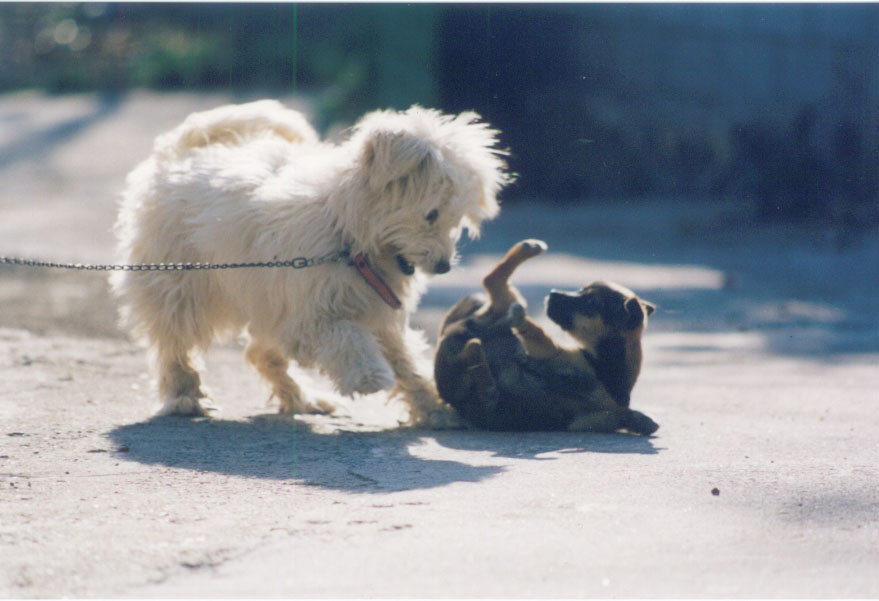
{"points": [[501, 371]]}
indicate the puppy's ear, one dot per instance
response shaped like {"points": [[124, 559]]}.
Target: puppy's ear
{"points": [[388, 156], [648, 307]]}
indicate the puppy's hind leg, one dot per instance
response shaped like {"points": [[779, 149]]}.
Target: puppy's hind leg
{"points": [[637, 422], [497, 283], [473, 356], [272, 366]]}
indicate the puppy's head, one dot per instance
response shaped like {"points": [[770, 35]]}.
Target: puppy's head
{"points": [[429, 176], [598, 310]]}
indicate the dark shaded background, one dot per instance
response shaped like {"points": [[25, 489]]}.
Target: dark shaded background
{"points": [[770, 106]]}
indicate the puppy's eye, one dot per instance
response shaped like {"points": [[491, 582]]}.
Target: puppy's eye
{"points": [[432, 216]]}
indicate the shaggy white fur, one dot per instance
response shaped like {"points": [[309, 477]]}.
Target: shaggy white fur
{"points": [[253, 182]]}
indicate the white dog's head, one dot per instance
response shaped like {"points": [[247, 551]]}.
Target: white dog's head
{"points": [[426, 177]]}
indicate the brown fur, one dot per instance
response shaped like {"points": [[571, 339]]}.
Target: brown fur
{"points": [[501, 371]]}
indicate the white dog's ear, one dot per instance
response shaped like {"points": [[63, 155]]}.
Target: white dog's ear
{"points": [[388, 156]]}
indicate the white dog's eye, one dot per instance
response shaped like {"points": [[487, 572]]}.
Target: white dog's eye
{"points": [[432, 216]]}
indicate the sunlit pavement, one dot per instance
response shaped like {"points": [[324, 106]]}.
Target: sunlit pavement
{"points": [[760, 367]]}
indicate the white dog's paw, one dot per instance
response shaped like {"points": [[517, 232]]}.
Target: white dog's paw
{"points": [[426, 410], [441, 417], [187, 406], [317, 407], [322, 406], [368, 381], [291, 403]]}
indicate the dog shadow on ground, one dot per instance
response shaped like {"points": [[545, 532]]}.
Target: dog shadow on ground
{"points": [[281, 448]]}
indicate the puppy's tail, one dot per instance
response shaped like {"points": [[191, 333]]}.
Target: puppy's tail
{"points": [[235, 123]]}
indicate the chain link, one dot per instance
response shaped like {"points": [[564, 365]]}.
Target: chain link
{"points": [[297, 263]]}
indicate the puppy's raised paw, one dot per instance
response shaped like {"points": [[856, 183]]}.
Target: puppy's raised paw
{"points": [[530, 248], [473, 352]]}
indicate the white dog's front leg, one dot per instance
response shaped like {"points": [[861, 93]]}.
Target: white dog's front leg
{"points": [[403, 350], [350, 355]]}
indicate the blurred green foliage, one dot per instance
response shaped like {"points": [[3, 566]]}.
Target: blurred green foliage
{"points": [[340, 53]]}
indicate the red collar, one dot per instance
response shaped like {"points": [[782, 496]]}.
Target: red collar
{"points": [[374, 280]]}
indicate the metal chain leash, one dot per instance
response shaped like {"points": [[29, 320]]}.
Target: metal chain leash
{"points": [[297, 263]]}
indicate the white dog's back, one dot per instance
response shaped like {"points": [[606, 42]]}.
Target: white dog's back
{"points": [[233, 124]]}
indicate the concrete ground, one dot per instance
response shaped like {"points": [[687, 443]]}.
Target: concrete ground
{"points": [[760, 367]]}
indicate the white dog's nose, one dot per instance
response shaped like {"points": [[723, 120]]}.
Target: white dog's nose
{"points": [[442, 266]]}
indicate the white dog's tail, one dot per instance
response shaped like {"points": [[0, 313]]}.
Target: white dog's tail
{"points": [[234, 123]]}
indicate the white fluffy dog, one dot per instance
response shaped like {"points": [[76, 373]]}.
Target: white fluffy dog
{"points": [[253, 183]]}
